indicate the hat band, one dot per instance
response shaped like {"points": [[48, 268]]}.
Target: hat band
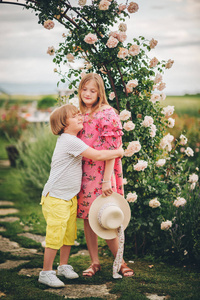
{"points": [[102, 210]]}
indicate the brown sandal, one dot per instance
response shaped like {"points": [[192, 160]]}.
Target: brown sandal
{"points": [[91, 271], [125, 269]]}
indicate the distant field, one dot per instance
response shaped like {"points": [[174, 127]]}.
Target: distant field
{"points": [[189, 105]]}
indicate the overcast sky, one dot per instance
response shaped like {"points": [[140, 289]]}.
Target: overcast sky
{"points": [[174, 23]]}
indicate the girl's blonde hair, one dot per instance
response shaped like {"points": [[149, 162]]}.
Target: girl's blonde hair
{"points": [[101, 98], [58, 118]]}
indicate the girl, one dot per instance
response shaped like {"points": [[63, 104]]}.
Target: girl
{"points": [[102, 129]]}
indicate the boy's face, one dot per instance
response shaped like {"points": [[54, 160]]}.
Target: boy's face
{"points": [[75, 124]]}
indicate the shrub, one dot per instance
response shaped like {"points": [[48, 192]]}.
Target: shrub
{"points": [[46, 102]]}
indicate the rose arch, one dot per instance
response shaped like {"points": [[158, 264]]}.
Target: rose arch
{"points": [[155, 177]]}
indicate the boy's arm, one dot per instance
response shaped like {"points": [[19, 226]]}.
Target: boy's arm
{"points": [[102, 154]]}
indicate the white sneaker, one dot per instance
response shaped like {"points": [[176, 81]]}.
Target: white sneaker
{"points": [[67, 271], [49, 278]]}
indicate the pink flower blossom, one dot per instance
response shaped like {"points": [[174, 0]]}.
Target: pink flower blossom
{"points": [[168, 111], [82, 2], [158, 78], [155, 98], [51, 50], [132, 7], [154, 203], [133, 147], [114, 34], [171, 122], [124, 115], [153, 130], [148, 121], [166, 142], [153, 62], [179, 202], [153, 43], [129, 126], [141, 165], [162, 96], [183, 140], [166, 225], [134, 50], [49, 24], [132, 83], [131, 197], [121, 36], [161, 86], [104, 5], [169, 64], [123, 52], [122, 27], [189, 151], [193, 178], [161, 162], [112, 42], [111, 95], [90, 38], [70, 57], [122, 7]]}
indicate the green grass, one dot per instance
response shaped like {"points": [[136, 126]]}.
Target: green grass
{"points": [[178, 282], [184, 105]]}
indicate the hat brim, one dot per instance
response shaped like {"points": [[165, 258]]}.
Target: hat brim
{"points": [[115, 198]]}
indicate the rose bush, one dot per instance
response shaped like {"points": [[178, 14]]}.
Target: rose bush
{"points": [[153, 166]]}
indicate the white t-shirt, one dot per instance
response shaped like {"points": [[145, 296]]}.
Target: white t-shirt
{"points": [[66, 168]]}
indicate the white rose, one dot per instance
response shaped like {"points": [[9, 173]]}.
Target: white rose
{"points": [[168, 111], [129, 126], [111, 95], [158, 78], [131, 197], [132, 83], [154, 98], [192, 186], [171, 122], [179, 202], [162, 96], [160, 162], [166, 225], [124, 115], [153, 130], [154, 203], [141, 165], [189, 151], [161, 86], [148, 121], [183, 140], [125, 181], [193, 178], [132, 148]]}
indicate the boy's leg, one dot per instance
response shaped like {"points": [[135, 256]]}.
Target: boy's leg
{"points": [[49, 256], [64, 254]]}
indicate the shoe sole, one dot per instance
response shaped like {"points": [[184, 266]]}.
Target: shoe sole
{"points": [[53, 286], [60, 274]]}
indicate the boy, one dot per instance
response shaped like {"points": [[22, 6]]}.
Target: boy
{"points": [[59, 202]]}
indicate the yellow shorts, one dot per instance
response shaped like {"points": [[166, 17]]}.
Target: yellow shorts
{"points": [[60, 216]]}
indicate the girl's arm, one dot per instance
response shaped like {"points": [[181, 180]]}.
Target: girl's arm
{"points": [[106, 186], [102, 154]]}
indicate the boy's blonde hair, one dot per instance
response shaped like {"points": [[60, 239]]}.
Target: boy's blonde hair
{"points": [[58, 118], [101, 99]]}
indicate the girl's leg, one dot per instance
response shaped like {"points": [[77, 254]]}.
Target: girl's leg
{"points": [[64, 254], [92, 242], [49, 256]]}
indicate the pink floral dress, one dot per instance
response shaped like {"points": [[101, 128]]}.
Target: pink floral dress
{"points": [[102, 131]]}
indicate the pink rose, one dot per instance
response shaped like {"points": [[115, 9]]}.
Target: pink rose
{"points": [[141, 165], [168, 111], [129, 126], [124, 115], [171, 122], [121, 36], [122, 7], [122, 27], [148, 121], [123, 52], [133, 7], [153, 130], [132, 148], [70, 57], [90, 38], [49, 24], [161, 86], [114, 34], [134, 50], [160, 162], [158, 78], [169, 64], [153, 62], [166, 225], [111, 95], [112, 42], [153, 43], [51, 50], [162, 96], [179, 202], [183, 140], [132, 83], [131, 197], [104, 5], [154, 98]]}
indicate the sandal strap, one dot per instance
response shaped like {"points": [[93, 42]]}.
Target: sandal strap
{"points": [[92, 269]]}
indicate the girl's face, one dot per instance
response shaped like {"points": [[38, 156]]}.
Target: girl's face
{"points": [[89, 93]]}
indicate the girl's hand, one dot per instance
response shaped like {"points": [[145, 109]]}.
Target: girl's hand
{"points": [[106, 189]]}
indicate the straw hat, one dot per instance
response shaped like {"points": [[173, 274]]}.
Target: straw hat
{"points": [[106, 214]]}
